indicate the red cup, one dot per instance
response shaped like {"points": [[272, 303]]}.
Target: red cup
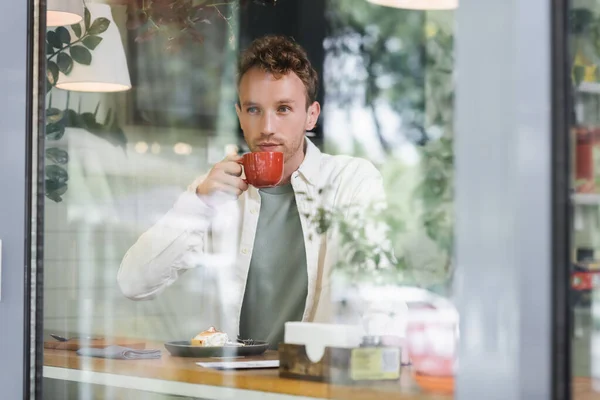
{"points": [[263, 168]]}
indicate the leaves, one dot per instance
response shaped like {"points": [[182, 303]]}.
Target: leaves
{"points": [[359, 230], [76, 30], [54, 40], [179, 21], [359, 257], [92, 41], [56, 187], [98, 26], [63, 34], [57, 155], [55, 131], [86, 18], [57, 174], [54, 190], [72, 119], [54, 115], [109, 131], [56, 182], [580, 20], [81, 55], [58, 41], [89, 121], [55, 126], [436, 192], [65, 63], [52, 73]]}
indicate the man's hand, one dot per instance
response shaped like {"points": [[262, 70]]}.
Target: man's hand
{"points": [[223, 180]]}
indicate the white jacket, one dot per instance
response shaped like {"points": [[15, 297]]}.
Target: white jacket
{"points": [[192, 235]]}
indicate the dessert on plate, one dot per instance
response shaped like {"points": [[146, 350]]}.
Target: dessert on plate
{"points": [[212, 338]]}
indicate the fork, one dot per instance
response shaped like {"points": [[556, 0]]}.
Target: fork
{"points": [[64, 339], [246, 342]]}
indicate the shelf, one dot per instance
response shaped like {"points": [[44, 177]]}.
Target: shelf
{"points": [[589, 87], [586, 199]]}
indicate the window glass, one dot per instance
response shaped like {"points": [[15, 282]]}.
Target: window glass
{"points": [[232, 178]]}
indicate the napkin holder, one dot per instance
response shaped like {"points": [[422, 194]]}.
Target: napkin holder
{"points": [[340, 365]]}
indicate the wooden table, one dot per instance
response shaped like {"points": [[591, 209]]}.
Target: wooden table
{"points": [[181, 376], [582, 389]]}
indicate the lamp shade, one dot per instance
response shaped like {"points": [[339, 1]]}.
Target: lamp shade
{"points": [[63, 12], [107, 71], [418, 4]]}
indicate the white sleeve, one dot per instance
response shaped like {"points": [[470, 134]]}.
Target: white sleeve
{"points": [[170, 247]]}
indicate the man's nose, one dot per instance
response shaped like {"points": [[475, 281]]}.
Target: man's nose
{"points": [[268, 123]]}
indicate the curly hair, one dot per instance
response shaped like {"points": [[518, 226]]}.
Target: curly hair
{"points": [[279, 55]]}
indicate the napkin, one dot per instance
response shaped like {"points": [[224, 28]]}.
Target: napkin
{"points": [[240, 364], [120, 353]]}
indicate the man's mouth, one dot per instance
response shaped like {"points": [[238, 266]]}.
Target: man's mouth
{"points": [[268, 146]]}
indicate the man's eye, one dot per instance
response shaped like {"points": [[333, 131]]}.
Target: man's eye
{"points": [[284, 109], [252, 110]]}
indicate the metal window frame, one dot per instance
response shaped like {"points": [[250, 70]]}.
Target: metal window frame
{"points": [[562, 209], [21, 158]]}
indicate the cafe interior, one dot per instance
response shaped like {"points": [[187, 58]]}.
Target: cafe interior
{"points": [[140, 102]]}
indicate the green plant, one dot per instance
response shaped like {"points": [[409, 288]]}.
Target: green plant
{"points": [[364, 236], [405, 59], [59, 41], [62, 53], [435, 193]]}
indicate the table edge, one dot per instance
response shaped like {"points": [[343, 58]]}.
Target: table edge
{"points": [[162, 386]]}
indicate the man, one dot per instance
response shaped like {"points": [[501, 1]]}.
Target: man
{"points": [[257, 248]]}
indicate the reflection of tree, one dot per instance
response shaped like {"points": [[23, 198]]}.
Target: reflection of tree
{"points": [[386, 52], [402, 60], [436, 190], [395, 57], [439, 65]]}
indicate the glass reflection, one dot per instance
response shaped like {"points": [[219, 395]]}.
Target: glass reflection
{"points": [[357, 233]]}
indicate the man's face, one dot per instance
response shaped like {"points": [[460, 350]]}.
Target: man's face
{"points": [[273, 113]]}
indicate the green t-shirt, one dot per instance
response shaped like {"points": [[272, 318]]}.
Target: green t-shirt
{"points": [[277, 282]]}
